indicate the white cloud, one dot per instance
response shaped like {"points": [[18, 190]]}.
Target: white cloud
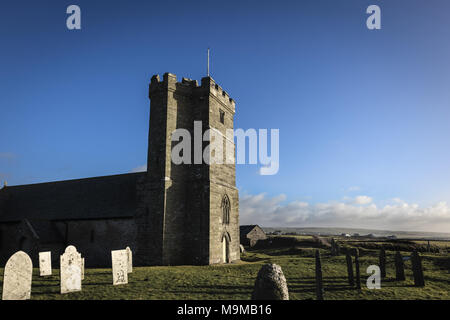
{"points": [[353, 188], [276, 212], [362, 200], [142, 168]]}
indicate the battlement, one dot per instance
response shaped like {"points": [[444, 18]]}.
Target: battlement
{"points": [[218, 92], [169, 81]]}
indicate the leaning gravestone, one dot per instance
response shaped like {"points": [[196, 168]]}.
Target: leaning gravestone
{"points": [[270, 284], [70, 270], [129, 259], [119, 266], [241, 248], [17, 277], [45, 263]]}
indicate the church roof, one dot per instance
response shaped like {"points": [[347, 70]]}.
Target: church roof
{"points": [[91, 198]]}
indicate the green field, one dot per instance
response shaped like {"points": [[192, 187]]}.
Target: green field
{"points": [[235, 281]]}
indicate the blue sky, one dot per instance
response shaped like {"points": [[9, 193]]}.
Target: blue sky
{"points": [[361, 113]]}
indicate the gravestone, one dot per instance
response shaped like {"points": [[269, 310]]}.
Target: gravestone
{"points": [[319, 280], [270, 284], [351, 279], [70, 269], [82, 268], [333, 247], [129, 259], [416, 262], [241, 248], [358, 274], [45, 263], [382, 259], [119, 266], [399, 267], [17, 277]]}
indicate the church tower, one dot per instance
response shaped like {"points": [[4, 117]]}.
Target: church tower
{"points": [[189, 212]]}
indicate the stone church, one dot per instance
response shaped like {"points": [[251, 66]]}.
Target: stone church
{"points": [[169, 215]]}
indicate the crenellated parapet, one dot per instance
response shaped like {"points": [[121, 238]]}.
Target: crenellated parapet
{"points": [[216, 91], [189, 86]]}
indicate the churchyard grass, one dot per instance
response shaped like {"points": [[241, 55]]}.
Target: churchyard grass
{"points": [[235, 281]]}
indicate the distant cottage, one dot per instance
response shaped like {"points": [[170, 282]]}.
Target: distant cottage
{"points": [[171, 214], [250, 234]]}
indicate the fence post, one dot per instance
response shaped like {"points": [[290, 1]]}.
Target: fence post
{"points": [[382, 259], [399, 267], [358, 274], [351, 279], [319, 280], [416, 262]]}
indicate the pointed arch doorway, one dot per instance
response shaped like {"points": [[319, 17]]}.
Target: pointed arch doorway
{"points": [[226, 239]]}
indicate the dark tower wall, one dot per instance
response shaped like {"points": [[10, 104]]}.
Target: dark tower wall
{"points": [[179, 219]]}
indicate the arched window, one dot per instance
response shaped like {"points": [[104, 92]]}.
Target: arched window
{"points": [[226, 207]]}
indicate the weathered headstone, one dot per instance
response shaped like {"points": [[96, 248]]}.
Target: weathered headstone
{"points": [[241, 248], [399, 267], [319, 280], [17, 277], [119, 266], [358, 274], [82, 268], [382, 259], [45, 263], [416, 262], [351, 279], [70, 269], [270, 284], [129, 259]]}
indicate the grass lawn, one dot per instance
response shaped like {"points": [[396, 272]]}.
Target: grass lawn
{"points": [[235, 281]]}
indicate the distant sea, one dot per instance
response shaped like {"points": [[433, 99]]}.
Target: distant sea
{"points": [[362, 232]]}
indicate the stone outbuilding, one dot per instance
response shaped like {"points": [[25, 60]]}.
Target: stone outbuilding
{"points": [[250, 234]]}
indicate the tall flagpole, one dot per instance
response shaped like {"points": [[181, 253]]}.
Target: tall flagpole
{"points": [[207, 67]]}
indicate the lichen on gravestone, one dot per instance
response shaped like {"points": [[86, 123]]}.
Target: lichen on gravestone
{"points": [[270, 284], [17, 277]]}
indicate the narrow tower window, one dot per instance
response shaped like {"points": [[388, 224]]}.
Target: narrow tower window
{"points": [[225, 209], [222, 116]]}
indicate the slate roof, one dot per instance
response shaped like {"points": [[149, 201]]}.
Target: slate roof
{"points": [[91, 198], [246, 228]]}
